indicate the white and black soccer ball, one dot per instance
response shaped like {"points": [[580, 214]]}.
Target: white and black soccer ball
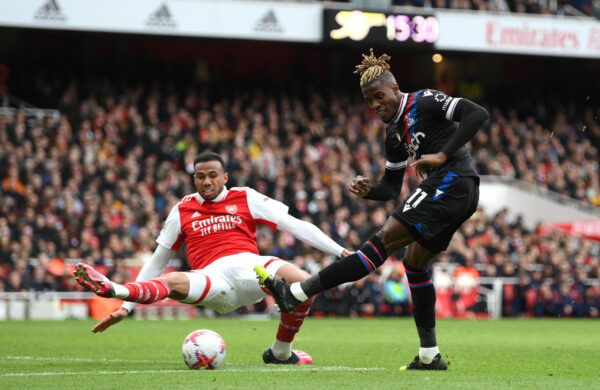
{"points": [[203, 349]]}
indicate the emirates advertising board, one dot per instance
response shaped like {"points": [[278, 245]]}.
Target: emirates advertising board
{"points": [[530, 35]]}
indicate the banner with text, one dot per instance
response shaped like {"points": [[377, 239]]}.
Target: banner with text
{"points": [[531, 34], [586, 229], [274, 21]]}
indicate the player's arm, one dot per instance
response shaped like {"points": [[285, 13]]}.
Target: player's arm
{"points": [[152, 269], [311, 235], [275, 214], [471, 117], [387, 188]]}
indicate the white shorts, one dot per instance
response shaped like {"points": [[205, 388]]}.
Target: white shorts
{"points": [[230, 282]]}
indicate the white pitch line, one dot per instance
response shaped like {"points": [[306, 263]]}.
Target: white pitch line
{"points": [[298, 369], [88, 373], [88, 360], [301, 368], [249, 369]]}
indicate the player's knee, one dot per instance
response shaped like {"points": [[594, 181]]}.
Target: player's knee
{"points": [[387, 239], [303, 275], [179, 285], [291, 273], [415, 263], [418, 257]]}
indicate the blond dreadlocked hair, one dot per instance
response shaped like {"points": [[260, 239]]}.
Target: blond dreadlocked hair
{"points": [[371, 68]]}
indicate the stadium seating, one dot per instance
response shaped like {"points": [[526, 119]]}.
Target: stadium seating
{"points": [[576, 8], [96, 184]]}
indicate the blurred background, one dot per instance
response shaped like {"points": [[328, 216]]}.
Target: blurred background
{"points": [[104, 105]]}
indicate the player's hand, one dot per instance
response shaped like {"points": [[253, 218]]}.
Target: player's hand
{"points": [[361, 186], [346, 253], [110, 320], [428, 161]]}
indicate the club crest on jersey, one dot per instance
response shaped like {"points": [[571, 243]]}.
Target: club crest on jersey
{"points": [[231, 209], [440, 97]]}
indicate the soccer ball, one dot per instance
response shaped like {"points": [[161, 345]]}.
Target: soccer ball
{"points": [[203, 349]]}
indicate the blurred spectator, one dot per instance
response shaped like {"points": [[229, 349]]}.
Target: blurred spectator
{"points": [[466, 288], [395, 290], [361, 298], [445, 306]]}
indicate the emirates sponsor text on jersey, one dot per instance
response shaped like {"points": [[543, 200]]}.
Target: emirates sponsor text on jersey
{"points": [[216, 223]]}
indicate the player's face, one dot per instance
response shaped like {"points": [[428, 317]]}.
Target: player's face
{"points": [[383, 98], [209, 179]]}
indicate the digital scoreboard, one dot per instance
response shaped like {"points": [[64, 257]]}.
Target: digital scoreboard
{"points": [[380, 28]]}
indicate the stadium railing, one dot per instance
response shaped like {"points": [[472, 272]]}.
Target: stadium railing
{"points": [[50, 305], [11, 105], [36, 305]]}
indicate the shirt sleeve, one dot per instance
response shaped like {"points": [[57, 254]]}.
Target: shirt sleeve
{"points": [[390, 185], [439, 104], [310, 234], [451, 108], [471, 117], [170, 236], [264, 209]]}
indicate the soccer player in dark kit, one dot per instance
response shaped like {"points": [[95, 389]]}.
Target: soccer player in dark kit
{"points": [[421, 131]]}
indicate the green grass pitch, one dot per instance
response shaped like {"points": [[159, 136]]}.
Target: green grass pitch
{"points": [[347, 353]]}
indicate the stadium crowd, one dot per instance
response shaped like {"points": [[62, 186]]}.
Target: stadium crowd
{"points": [[562, 7], [97, 183]]}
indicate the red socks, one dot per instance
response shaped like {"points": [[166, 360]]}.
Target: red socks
{"points": [[291, 322], [147, 292]]}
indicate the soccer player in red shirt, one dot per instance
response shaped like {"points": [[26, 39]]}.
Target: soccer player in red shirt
{"points": [[218, 226]]}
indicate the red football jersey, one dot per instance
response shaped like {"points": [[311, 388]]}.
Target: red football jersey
{"points": [[221, 227]]}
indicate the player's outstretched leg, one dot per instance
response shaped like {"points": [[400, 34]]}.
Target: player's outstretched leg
{"points": [[349, 269], [278, 289], [437, 363], [93, 280], [146, 292]]}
